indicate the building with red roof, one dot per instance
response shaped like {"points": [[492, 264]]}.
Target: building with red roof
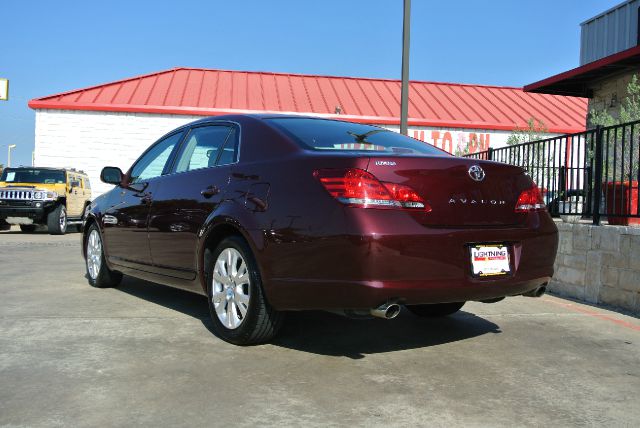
{"points": [[113, 123]]}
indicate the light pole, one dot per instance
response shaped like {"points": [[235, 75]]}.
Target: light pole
{"points": [[404, 94], [9, 147]]}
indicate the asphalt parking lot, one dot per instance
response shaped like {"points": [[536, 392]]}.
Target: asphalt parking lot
{"points": [[143, 355]]}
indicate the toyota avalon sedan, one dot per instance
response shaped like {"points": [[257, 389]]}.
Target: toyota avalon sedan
{"points": [[265, 214]]}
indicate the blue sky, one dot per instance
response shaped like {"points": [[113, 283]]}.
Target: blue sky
{"points": [[48, 47]]}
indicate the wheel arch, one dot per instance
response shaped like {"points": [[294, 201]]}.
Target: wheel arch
{"points": [[218, 229]]}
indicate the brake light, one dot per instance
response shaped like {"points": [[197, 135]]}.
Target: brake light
{"points": [[359, 188], [530, 200]]}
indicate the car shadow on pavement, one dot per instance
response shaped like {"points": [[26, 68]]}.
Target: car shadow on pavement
{"points": [[188, 303], [334, 335], [325, 333]]}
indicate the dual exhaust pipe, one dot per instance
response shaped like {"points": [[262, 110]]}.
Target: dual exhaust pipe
{"points": [[391, 310]]}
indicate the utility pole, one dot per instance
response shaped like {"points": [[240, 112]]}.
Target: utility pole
{"points": [[404, 95], [9, 147]]}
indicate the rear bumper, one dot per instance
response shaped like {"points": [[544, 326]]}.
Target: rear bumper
{"points": [[371, 294], [427, 266]]}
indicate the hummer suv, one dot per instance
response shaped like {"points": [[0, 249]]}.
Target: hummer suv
{"points": [[52, 197]]}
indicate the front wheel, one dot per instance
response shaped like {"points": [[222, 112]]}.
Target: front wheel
{"points": [[98, 273], [57, 221], [436, 310], [239, 311]]}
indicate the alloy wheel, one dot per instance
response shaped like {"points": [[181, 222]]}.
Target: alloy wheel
{"points": [[63, 219], [230, 290], [94, 254]]}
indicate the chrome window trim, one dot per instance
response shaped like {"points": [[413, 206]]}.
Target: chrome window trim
{"points": [[199, 125]]}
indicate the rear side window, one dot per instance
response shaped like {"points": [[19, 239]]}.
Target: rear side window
{"points": [[334, 135], [205, 146]]}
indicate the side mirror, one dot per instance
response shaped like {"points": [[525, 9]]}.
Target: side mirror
{"points": [[111, 175]]}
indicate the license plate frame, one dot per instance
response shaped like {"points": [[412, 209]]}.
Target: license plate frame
{"points": [[490, 260]]}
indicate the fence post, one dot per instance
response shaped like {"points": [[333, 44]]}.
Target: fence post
{"points": [[597, 176], [489, 153]]}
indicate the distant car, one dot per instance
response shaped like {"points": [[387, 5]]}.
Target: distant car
{"points": [[265, 214], [52, 197]]}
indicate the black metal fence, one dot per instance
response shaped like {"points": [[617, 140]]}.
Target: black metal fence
{"points": [[591, 174]]}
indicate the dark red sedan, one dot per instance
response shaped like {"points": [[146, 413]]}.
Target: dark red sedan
{"points": [[265, 214]]}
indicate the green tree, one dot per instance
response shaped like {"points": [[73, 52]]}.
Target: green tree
{"points": [[535, 130], [621, 148]]}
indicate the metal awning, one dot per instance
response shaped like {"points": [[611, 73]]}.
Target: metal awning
{"points": [[576, 82]]}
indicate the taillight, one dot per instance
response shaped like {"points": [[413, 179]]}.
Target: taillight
{"points": [[530, 200], [357, 187]]}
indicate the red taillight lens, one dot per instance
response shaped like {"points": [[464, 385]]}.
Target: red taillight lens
{"points": [[357, 187], [530, 200]]}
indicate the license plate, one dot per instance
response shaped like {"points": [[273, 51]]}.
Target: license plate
{"points": [[490, 260]]}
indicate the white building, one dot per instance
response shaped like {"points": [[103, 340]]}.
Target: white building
{"points": [[111, 124]]}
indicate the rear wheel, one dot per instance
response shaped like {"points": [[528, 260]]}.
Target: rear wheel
{"points": [[28, 228], [98, 273], [57, 221], [436, 310], [239, 311]]}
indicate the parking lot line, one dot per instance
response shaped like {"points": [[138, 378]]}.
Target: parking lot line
{"points": [[595, 314]]}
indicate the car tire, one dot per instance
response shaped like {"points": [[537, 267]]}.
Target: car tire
{"points": [[28, 228], [239, 310], [98, 273], [57, 221], [435, 310]]}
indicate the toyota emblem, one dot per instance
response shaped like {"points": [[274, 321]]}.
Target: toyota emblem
{"points": [[476, 173]]}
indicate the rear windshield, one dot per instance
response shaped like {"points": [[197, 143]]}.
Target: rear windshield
{"points": [[334, 135], [33, 175]]}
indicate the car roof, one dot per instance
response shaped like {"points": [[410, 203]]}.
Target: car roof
{"points": [[259, 116]]}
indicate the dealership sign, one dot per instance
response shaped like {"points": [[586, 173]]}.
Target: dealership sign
{"points": [[4, 89]]}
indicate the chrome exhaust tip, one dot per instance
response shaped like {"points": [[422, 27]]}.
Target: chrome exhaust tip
{"points": [[387, 311], [537, 292]]}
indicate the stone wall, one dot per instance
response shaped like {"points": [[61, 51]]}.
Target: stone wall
{"points": [[599, 264], [611, 87]]}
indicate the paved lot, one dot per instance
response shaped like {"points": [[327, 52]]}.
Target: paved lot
{"points": [[143, 355]]}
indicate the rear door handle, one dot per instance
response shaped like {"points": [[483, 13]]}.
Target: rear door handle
{"points": [[210, 191]]}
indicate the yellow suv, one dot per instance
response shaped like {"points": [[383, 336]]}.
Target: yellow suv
{"points": [[52, 197]]}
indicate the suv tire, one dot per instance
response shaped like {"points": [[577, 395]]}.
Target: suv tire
{"points": [[436, 310], [57, 220], [98, 273], [239, 311]]}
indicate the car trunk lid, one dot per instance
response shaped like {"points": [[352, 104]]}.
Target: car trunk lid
{"points": [[447, 184]]}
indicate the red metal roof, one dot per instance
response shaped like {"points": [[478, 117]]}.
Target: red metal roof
{"points": [[576, 82], [194, 91]]}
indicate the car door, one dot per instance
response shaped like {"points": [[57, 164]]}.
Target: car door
{"points": [[185, 198], [125, 222], [74, 196]]}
